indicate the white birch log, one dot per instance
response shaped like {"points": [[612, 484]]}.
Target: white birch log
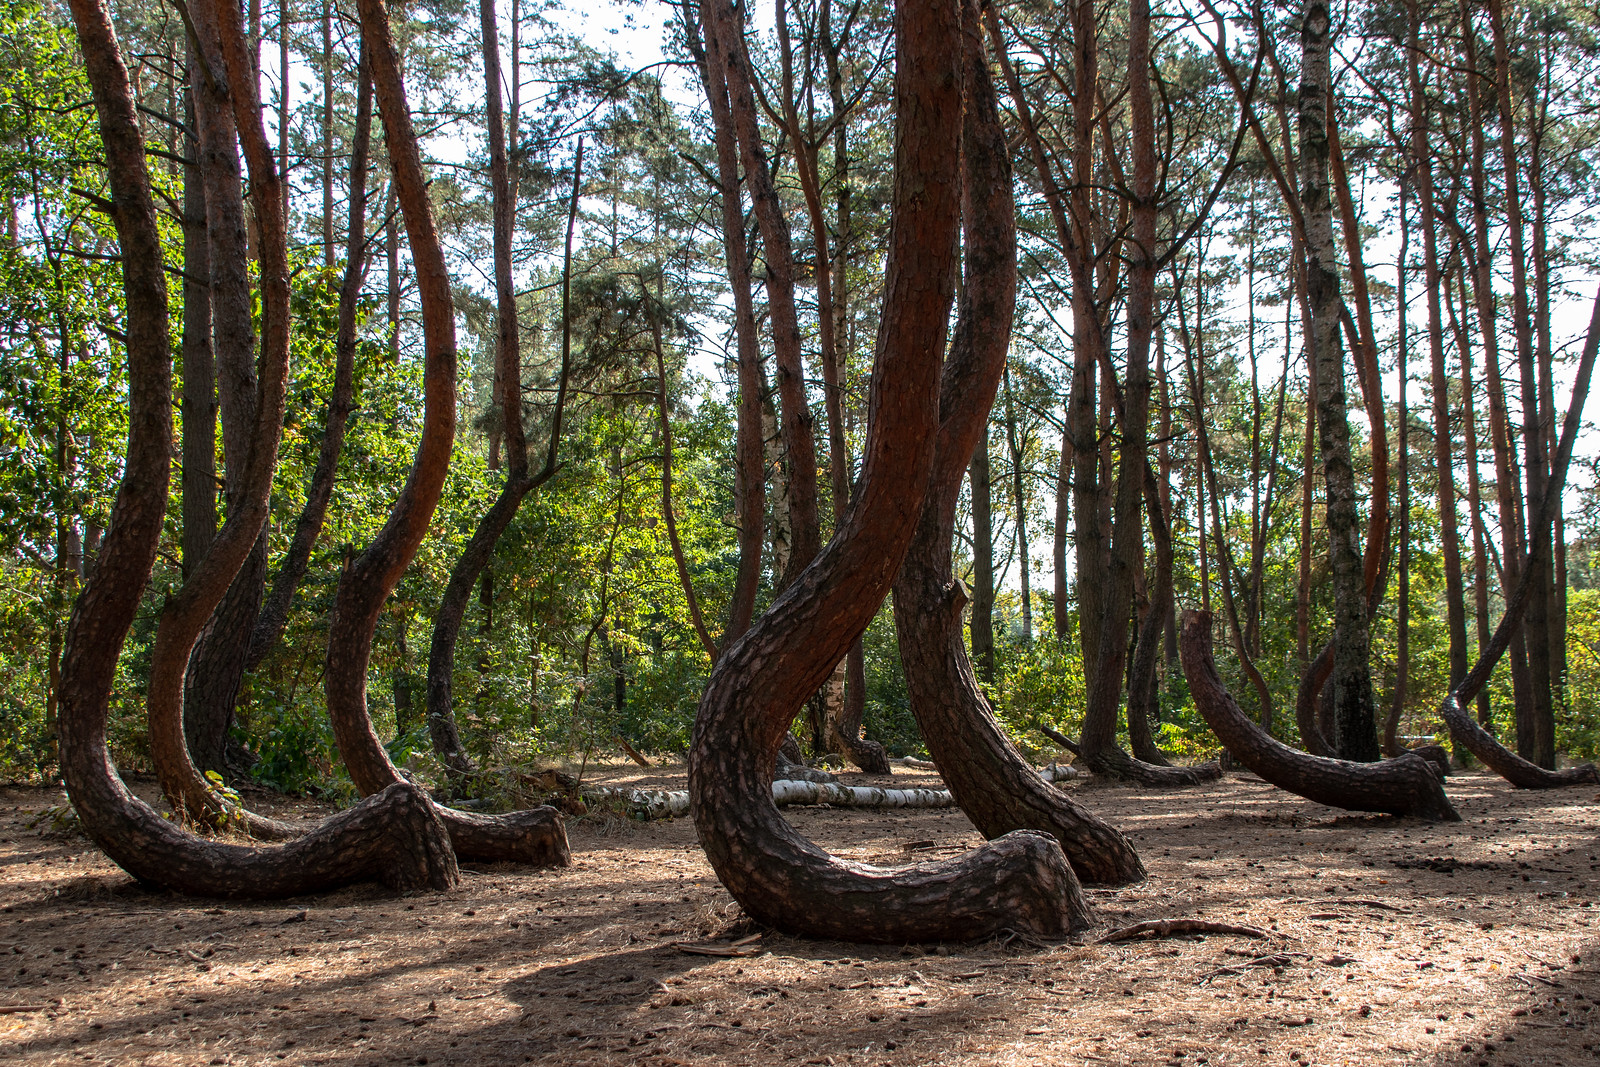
{"points": [[1060, 773], [674, 803], [915, 764]]}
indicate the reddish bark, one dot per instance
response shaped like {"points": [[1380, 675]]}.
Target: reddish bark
{"points": [[252, 460], [1409, 785], [989, 779], [535, 836], [394, 838], [1020, 881]]}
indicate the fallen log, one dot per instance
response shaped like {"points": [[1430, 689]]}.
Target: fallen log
{"points": [[674, 803]]}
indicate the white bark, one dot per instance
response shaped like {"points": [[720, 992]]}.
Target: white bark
{"points": [[672, 803]]}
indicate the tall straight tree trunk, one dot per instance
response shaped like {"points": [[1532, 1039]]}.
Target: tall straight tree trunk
{"points": [[1443, 439], [1019, 504], [1505, 464], [1099, 740], [982, 562], [327, 134], [1355, 721], [724, 32], [1536, 729], [1469, 430], [199, 370], [749, 448], [216, 666], [1402, 617], [1556, 580], [198, 653]]}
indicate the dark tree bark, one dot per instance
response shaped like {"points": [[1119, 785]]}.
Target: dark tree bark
{"points": [[1021, 881], [995, 787], [216, 666], [982, 623], [199, 370], [1536, 726], [252, 459], [1402, 618], [274, 616], [724, 34], [475, 557], [1522, 773], [1409, 785], [1356, 727], [749, 449], [394, 838], [1443, 452], [535, 836], [1469, 430], [1105, 673], [1505, 463]]}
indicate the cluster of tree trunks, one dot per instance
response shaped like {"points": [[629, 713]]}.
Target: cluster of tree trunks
{"points": [[1022, 880], [397, 835]]}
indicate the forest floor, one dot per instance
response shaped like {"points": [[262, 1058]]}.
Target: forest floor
{"points": [[1393, 941]]}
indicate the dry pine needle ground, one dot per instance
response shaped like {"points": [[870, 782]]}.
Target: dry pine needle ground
{"points": [[1393, 942]]}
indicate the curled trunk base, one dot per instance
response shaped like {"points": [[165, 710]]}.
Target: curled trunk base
{"points": [[1115, 763], [1409, 785], [1501, 760]]}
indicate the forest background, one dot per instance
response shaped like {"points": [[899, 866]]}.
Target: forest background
{"points": [[580, 636]]}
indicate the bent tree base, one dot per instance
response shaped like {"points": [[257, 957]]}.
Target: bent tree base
{"points": [[1408, 785], [1021, 881], [394, 838]]}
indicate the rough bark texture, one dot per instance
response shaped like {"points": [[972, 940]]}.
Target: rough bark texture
{"points": [[982, 623], [475, 557], [749, 455], [535, 836], [216, 665], [724, 33], [199, 370], [1508, 499], [394, 838], [1021, 881], [1524, 773], [995, 787], [1356, 725], [1409, 785], [274, 616], [218, 580], [1105, 672]]}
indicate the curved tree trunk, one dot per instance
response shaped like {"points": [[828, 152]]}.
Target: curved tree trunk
{"points": [[442, 728], [274, 615], [394, 838], [1021, 881], [1520, 772], [215, 579], [1409, 785], [535, 836], [215, 666], [995, 787]]}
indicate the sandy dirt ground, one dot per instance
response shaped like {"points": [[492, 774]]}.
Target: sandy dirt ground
{"points": [[1393, 941]]}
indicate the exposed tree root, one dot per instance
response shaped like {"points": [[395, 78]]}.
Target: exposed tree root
{"points": [[1020, 881], [1151, 929], [1521, 773], [1409, 785]]}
